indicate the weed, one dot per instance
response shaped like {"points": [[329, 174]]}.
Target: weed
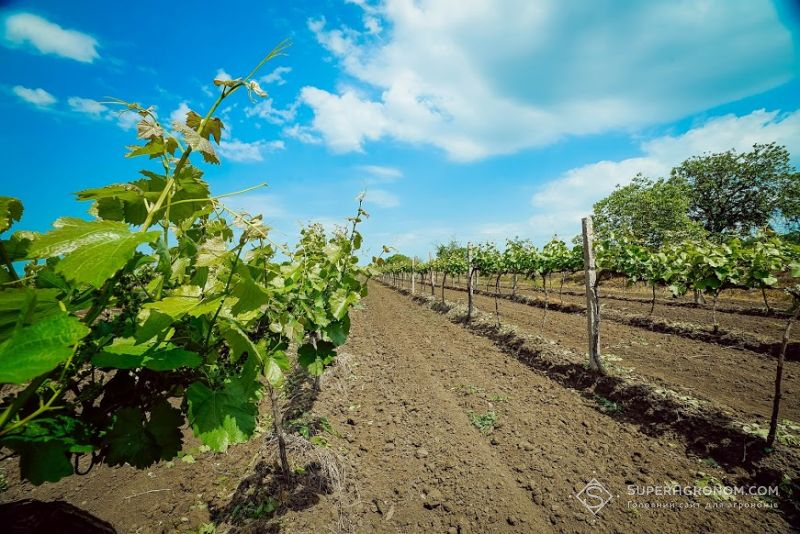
{"points": [[310, 427], [484, 422], [499, 398], [788, 432], [606, 405], [467, 389], [254, 510], [709, 481]]}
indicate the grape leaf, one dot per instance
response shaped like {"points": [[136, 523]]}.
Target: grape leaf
{"points": [[141, 443], [197, 142], [10, 211], [36, 304], [93, 250], [337, 331], [45, 446], [212, 128], [146, 129], [238, 342], [126, 202], [39, 348], [125, 354], [224, 416], [314, 360]]}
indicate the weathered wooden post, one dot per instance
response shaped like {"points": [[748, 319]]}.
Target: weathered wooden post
{"points": [[413, 275], [433, 275], [469, 282], [592, 302]]}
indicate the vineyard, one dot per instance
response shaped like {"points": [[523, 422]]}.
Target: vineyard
{"points": [[167, 364]]}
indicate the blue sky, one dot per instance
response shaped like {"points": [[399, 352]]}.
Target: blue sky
{"points": [[476, 120]]}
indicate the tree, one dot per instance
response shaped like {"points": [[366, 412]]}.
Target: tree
{"points": [[733, 192], [650, 211]]}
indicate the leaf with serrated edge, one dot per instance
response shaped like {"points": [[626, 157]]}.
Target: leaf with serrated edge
{"points": [[39, 348], [93, 250]]}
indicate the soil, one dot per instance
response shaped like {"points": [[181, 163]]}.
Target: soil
{"points": [[404, 403], [733, 378]]}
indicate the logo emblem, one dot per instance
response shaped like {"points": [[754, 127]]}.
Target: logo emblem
{"points": [[594, 496]]}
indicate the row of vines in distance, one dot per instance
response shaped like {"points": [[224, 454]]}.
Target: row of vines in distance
{"points": [[704, 265]]}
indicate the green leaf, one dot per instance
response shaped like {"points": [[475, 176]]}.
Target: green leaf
{"points": [[250, 296], [45, 447], [197, 142], [35, 304], [338, 331], [39, 348], [224, 416], [124, 353], [165, 427], [185, 300], [154, 148], [238, 342], [43, 461], [274, 368], [341, 301], [175, 306], [314, 360], [769, 280], [10, 211], [141, 443], [212, 128], [126, 202], [93, 250]]}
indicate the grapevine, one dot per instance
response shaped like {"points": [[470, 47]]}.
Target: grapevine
{"points": [[167, 309]]}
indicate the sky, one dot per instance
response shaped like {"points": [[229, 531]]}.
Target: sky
{"points": [[478, 121]]}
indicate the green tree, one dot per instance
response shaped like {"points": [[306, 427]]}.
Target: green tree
{"points": [[651, 211], [732, 192]]}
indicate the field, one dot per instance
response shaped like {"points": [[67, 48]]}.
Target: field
{"points": [[436, 428]]}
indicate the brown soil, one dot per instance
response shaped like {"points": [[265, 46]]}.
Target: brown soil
{"points": [[403, 408], [733, 378]]}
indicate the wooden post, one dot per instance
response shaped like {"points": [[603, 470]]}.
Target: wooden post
{"points": [[469, 282], [592, 303], [433, 275], [413, 275]]}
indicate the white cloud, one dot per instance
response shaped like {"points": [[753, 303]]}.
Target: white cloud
{"points": [[38, 97], [378, 174], [382, 198], [270, 206], [50, 38], [222, 75], [276, 76], [345, 121], [87, 106], [304, 134], [125, 119], [480, 78], [561, 203], [242, 152], [179, 114], [266, 110]]}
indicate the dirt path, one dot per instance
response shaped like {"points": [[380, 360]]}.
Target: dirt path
{"points": [[420, 377], [732, 378]]}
